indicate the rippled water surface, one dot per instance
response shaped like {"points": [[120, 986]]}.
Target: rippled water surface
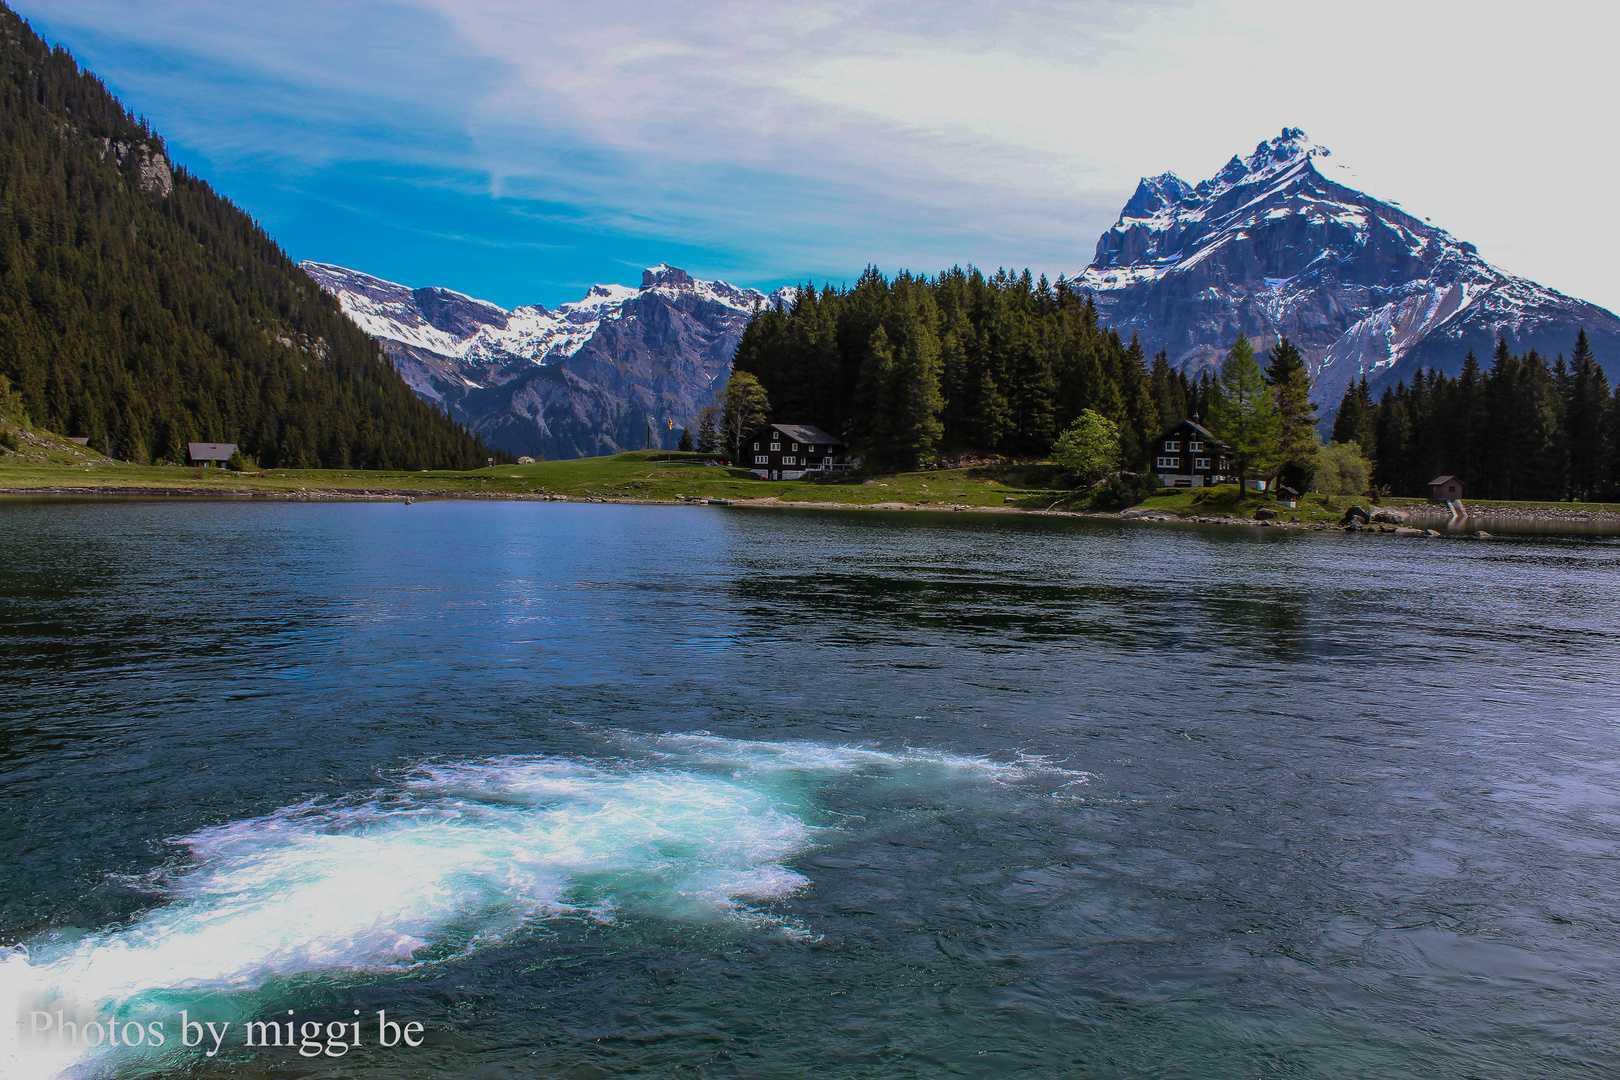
{"points": [[596, 791]]}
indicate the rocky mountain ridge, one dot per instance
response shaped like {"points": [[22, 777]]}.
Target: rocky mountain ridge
{"points": [[612, 371], [1287, 242]]}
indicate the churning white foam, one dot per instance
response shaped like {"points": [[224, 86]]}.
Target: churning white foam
{"points": [[458, 856]]}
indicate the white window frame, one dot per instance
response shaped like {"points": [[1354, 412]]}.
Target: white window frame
{"points": [[1195, 446], [1201, 463], [756, 446], [1168, 463], [761, 459], [1172, 446], [776, 446]]}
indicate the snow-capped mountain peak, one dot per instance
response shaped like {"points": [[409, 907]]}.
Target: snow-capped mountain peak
{"points": [[1289, 242]]}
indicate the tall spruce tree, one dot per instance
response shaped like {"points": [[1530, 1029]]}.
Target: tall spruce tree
{"points": [[1243, 414], [1296, 415], [708, 438], [1584, 417]]}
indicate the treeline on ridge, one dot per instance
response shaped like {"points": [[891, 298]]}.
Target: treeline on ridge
{"points": [[145, 318], [915, 366]]}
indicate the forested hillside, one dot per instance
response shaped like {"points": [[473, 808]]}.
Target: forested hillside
{"points": [[915, 366], [141, 309]]}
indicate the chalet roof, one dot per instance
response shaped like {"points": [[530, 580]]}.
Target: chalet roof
{"points": [[1437, 481], [804, 433], [1204, 431], [210, 451]]}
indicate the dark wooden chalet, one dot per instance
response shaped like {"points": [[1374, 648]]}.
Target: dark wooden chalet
{"points": [[789, 451], [1189, 456]]}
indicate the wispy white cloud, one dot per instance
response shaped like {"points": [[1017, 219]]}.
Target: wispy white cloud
{"points": [[784, 140]]}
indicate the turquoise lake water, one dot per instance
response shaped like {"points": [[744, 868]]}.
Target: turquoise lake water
{"points": [[597, 791]]}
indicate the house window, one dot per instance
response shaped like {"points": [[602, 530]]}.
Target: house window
{"points": [[1195, 446], [761, 459], [756, 446], [795, 446], [1201, 463], [1172, 444], [789, 459], [826, 461], [1168, 463], [776, 446], [1224, 465]]}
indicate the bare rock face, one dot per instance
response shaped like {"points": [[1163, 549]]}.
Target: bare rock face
{"points": [[155, 174], [1286, 243], [618, 369]]}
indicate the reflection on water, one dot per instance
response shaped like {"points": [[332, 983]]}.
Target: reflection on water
{"points": [[678, 791]]}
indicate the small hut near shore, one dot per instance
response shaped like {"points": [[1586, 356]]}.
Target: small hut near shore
{"points": [[1444, 489]]}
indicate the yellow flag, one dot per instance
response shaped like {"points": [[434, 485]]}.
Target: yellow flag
{"points": [[672, 425]]}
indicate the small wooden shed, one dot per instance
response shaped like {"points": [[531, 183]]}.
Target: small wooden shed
{"points": [[209, 453], [1445, 488]]}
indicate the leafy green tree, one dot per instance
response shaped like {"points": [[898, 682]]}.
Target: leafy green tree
{"points": [[1089, 449], [1341, 469], [744, 406], [1243, 414], [1296, 415]]}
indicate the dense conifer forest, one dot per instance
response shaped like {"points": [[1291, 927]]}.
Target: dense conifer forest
{"points": [[917, 366], [1520, 429], [141, 309]]}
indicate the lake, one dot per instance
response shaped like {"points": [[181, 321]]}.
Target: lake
{"points": [[621, 791]]}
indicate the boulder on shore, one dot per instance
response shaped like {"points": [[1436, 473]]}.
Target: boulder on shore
{"points": [[1265, 513], [1390, 516], [1356, 514]]}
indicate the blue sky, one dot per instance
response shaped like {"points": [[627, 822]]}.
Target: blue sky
{"points": [[521, 151]]}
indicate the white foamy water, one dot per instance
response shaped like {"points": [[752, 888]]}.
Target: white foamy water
{"points": [[456, 857]]}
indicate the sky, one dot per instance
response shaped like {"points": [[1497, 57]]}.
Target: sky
{"points": [[521, 151]]}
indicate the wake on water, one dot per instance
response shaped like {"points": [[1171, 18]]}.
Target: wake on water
{"points": [[457, 857]]}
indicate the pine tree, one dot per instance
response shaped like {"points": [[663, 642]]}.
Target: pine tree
{"points": [[1584, 411], [685, 444], [708, 440], [1243, 415], [1169, 389], [1296, 415]]}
